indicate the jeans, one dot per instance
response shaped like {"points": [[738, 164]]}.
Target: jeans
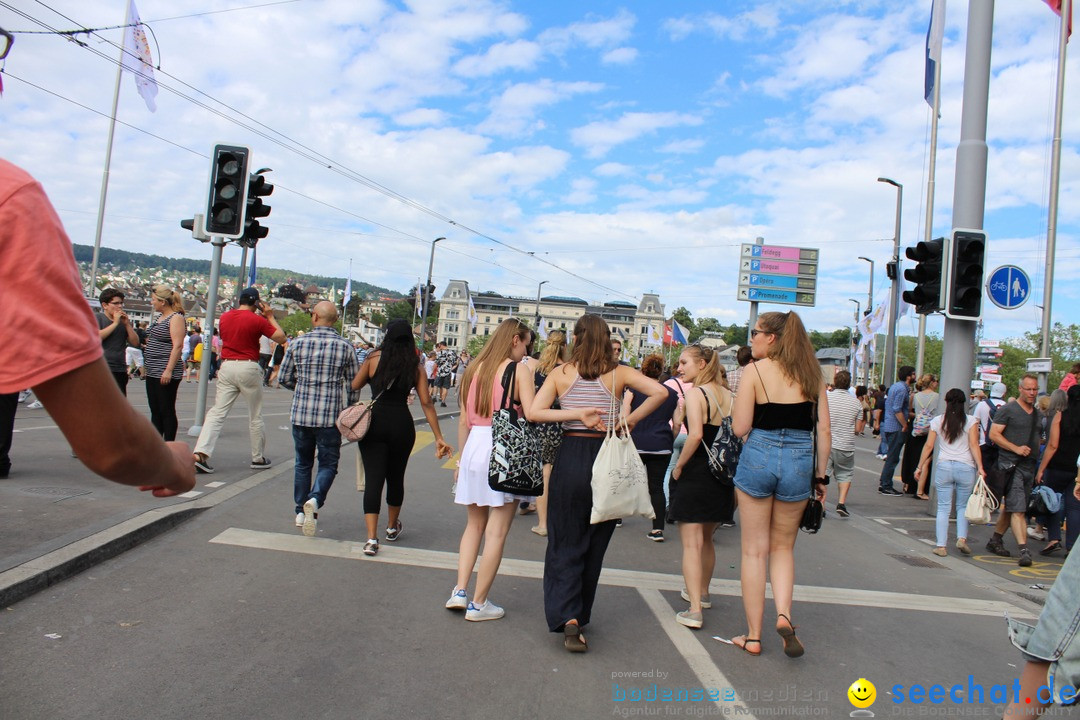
{"points": [[676, 451], [1062, 482], [951, 476], [327, 440], [895, 443], [776, 463]]}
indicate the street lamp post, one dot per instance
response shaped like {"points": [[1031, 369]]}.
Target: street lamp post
{"points": [[894, 301], [427, 295], [869, 307], [858, 307], [536, 321]]}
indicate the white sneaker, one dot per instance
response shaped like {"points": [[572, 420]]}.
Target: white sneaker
{"points": [[705, 602], [299, 519], [487, 611], [310, 520], [458, 601], [1036, 534], [36, 405]]}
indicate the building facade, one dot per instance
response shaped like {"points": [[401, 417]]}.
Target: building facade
{"points": [[628, 322]]}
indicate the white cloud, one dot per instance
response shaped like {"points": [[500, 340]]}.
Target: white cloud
{"points": [[620, 56], [760, 22], [514, 112], [612, 169], [517, 55], [599, 137], [683, 147], [421, 116], [582, 192], [595, 34]]}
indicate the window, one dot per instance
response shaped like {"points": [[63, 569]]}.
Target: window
{"points": [[487, 331], [453, 314], [451, 342], [487, 319], [455, 294], [648, 308]]}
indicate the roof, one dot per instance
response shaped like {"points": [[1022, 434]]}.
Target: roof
{"points": [[833, 353]]}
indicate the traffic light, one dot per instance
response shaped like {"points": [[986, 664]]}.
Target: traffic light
{"points": [[257, 189], [965, 275], [926, 275], [228, 191]]}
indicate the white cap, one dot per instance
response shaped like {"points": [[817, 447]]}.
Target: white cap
{"points": [[997, 390]]}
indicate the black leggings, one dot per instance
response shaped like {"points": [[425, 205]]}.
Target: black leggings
{"points": [[385, 451], [655, 469], [162, 402]]}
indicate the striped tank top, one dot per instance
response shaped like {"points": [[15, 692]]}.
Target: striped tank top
{"points": [[158, 349], [590, 393]]}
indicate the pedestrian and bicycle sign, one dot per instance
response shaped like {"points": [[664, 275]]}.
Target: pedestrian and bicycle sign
{"points": [[1008, 287], [778, 274]]}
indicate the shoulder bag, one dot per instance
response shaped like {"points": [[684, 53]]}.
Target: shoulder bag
{"points": [[725, 449], [620, 488], [815, 511], [514, 465], [981, 503], [353, 422]]}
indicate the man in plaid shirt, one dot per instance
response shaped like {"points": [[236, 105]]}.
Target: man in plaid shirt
{"points": [[316, 366]]}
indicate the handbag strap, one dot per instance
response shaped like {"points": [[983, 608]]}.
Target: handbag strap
{"points": [[508, 380], [813, 451]]}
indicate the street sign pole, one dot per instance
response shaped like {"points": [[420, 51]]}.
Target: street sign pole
{"points": [[753, 304]]}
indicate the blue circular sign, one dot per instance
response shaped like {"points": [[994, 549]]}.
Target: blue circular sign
{"points": [[1008, 287]]}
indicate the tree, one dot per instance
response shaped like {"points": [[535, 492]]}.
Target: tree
{"points": [[735, 334], [401, 310], [476, 344], [1064, 349], [291, 291], [378, 319], [296, 323]]}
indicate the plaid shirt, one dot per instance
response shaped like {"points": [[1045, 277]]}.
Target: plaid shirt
{"points": [[315, 365]]}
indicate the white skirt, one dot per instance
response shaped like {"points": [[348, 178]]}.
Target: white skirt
{"points": [[472, 484]]}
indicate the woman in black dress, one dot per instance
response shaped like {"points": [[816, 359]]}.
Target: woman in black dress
{"points": [[700, 503], [393, 370]]}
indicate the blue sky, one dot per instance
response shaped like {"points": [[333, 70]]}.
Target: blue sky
{"points": [[635, 144]]}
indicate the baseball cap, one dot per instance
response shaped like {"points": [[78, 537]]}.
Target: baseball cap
{"points": [[998, 390], [251, 295]]}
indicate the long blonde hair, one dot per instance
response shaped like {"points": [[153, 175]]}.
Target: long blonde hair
{"points": [[711, 372], [792, 351], [170, 297], [483, 369], [554, 352]]}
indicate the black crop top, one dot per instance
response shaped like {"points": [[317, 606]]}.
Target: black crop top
{"points": [[784, 416]]}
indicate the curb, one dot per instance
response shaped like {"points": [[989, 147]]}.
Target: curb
{"points": [[33, 576]]}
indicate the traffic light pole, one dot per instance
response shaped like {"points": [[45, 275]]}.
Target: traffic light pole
{"points": [[211, 307], [969, 193]]}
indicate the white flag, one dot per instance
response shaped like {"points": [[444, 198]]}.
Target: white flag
{"points": [[419, 301], [541, 329], [653, 335], [136, 58], [473, 317]]}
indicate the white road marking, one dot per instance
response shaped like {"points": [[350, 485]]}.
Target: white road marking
{"points": [[883, 521], [440, 560], [190, 494], [214, 484], [691, 649]]}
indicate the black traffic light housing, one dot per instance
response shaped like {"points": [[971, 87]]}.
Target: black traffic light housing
{"points": [[967, 261], [257, 189], [926, 276], [228, 191]]}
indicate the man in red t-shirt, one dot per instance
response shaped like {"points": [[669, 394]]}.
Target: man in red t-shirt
{"points": [[64, 366], [240, 374]]}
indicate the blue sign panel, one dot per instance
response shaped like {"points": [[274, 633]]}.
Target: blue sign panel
{"points": [[756, 294], [1008, 287]]}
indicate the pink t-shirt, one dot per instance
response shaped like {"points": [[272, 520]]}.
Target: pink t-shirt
{"points": [[474, 418], [36, 262]]}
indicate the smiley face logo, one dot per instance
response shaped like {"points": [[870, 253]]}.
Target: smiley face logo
{"points": [[862, 693]]}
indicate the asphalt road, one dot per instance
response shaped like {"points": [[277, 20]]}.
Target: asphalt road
{"points": [[236, 614]]}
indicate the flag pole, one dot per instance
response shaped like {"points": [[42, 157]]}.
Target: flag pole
{"points": [[1055, 182], [920, 356], [92, 288]]}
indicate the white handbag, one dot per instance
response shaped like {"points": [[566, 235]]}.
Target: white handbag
{"points": [[620, 488], [981, 503]]}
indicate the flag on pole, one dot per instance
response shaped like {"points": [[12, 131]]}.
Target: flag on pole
{"points": [[1055, 5], [473, 317], [136, 58], [679, 334], [667, 334], [251, 274], [541, 329], [419, 301], [934, 35], [348, 293], [654, 336]]}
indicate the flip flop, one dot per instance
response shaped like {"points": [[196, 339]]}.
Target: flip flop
{"points": [[793, 648], [746, 641], [573, 640]]}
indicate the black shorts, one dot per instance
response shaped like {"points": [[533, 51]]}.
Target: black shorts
{"points": [[442, 381]]}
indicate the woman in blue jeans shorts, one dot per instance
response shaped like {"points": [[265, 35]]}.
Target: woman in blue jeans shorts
{"points": [[779, 402], [959, 463]]}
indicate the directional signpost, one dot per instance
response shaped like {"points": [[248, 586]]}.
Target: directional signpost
{"points": [[777, 274], [1008, 287]]}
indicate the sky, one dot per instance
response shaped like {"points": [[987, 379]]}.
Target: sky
{"points": [[607, 149]]}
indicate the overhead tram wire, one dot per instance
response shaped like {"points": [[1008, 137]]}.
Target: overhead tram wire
{"points": [[155, 20], [313, 155]]}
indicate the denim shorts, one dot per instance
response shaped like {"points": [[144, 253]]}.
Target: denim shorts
{"points": [[776, 463], [1056, 636]]}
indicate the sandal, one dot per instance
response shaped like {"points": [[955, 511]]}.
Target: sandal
{"points": [[793, 648], [1051, 548], [922, 496], [746, 641], [573, 640]]}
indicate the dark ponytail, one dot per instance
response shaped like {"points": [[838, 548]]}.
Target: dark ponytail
{"points": [[952, 424]]}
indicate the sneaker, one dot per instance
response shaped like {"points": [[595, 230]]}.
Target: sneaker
{"points": [[202, 464], [705, 602], [728, 524], [1036, 534], [1025, 557], [299, 519], [655, 535], [841, 510], [689, 619], [393, 533], [487, 611], [260, 464], [962, 546], [311, 516], [458, 601], [442, 404], [879, 456], [890, 492], [997, 547], [36, 405], [618, 523], [371, 547], [940, 551]]}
